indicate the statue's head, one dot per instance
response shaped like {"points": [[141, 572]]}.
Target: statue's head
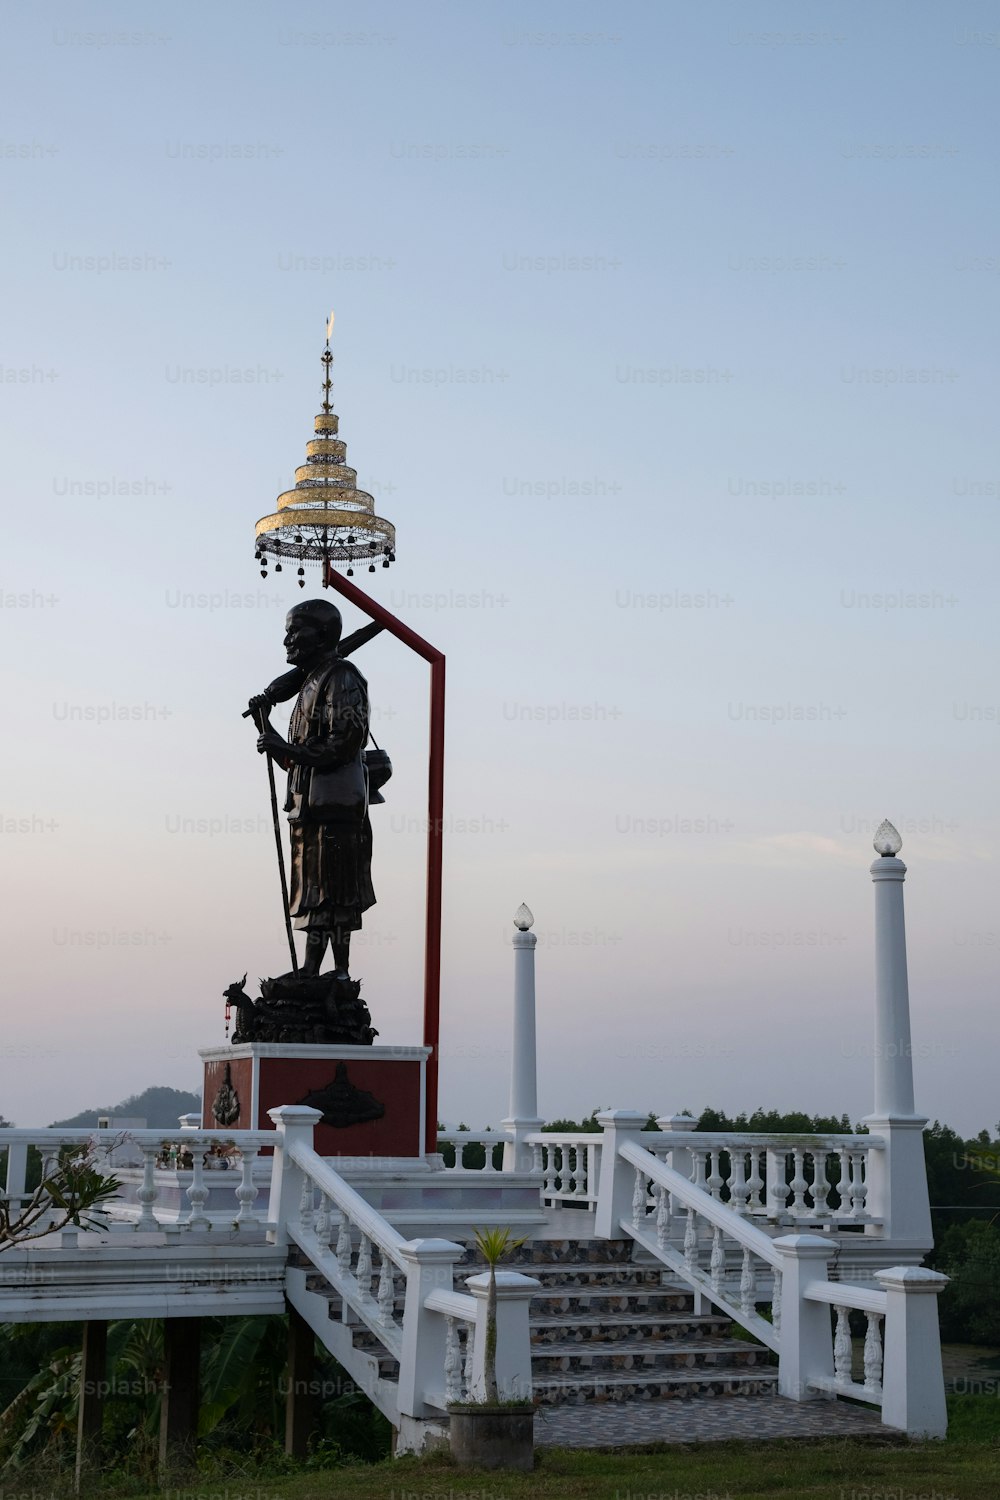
{"points": [[312, 629]]}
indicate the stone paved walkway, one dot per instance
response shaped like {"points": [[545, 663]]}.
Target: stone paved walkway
{"points": [[613, 1424]]}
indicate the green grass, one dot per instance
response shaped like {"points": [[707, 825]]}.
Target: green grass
{"points": [[966, 1467]]}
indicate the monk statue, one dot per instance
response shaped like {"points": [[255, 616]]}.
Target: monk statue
{"points": [[331, 782], [330, 885]]}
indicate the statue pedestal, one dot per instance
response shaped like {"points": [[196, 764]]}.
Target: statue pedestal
{"points": [[373, 1098]]}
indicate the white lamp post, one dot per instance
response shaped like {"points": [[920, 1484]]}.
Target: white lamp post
{"points": [[524, 1117], [897, 1175]]}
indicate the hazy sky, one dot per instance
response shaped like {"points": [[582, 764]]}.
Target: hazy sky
{"points": [[666, 336]]}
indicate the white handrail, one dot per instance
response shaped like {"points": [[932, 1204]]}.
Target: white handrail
{"points": [[843, 1294], [723, 1139], [357, 1209], [15, 1135], [717, 1214], [461, 1305]]}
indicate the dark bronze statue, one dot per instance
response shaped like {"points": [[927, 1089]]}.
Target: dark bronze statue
{"points": [[331, 782]]}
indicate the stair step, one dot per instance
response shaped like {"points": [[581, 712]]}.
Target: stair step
{"points": [[629, 1326], [586, 1304], [569, 1273], [707, 1354], [573, 1388]]}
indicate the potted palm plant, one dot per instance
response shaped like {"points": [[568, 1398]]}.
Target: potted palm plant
{"points": [[494, 1431]]}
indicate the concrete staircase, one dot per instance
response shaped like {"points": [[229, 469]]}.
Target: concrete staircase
{"points": [[608, 1326]]}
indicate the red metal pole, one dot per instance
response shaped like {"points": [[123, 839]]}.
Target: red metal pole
{"points": [[432, 940], [435, 829]]}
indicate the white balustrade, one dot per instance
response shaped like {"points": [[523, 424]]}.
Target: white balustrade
{"points": [[777, 1177], [459, 1139]]}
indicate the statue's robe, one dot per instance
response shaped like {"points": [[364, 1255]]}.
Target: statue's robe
{"points": [[327, 802]]}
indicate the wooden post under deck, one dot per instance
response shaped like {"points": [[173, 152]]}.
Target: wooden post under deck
{"points": [[300, 1397], [179, 1408], [93, 1387]]}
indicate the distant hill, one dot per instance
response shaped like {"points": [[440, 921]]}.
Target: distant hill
{"points": [[160, 1107]]}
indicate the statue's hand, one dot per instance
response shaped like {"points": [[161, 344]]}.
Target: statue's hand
{"points": [[271, 743], [259, 700]]}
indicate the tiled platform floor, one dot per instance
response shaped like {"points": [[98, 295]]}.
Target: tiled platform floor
{"points": [[612, 1424]]}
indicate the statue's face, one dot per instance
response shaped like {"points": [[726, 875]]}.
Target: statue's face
{"points": [[304, 639]]}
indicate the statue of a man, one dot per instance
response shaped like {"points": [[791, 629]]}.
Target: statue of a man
{"points": [[327, 803]]}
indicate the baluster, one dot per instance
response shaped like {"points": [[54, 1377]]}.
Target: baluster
{"points": [[580, 1173], [842, 1352], [344, 1246], [537, 1165], [363, 1273], [699, 1156], [755, 1183], [820, 1187], [859, 1188], [691, 1241], [246, 1193], [873, 1355], [844, 1185], [197, 1191], [799, 1184], [488, 1156], [549, 1172], [748, 1284], [323, 1219], [306, 1205], [452, 1362], [715, 1180], [470, 1349], [662, 1217], [17, 1166], [639, 1197], [386, 1292], [777, 1184], [147, 1194], [717, 1263], [738, 1181], [50, 1164], [776, 1306]]}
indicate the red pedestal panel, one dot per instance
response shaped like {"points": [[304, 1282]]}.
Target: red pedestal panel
{"points": [[265, 1076]]}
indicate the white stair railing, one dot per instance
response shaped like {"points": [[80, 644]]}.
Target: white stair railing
{"points": [[437, 1336], [813, 1345]]}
